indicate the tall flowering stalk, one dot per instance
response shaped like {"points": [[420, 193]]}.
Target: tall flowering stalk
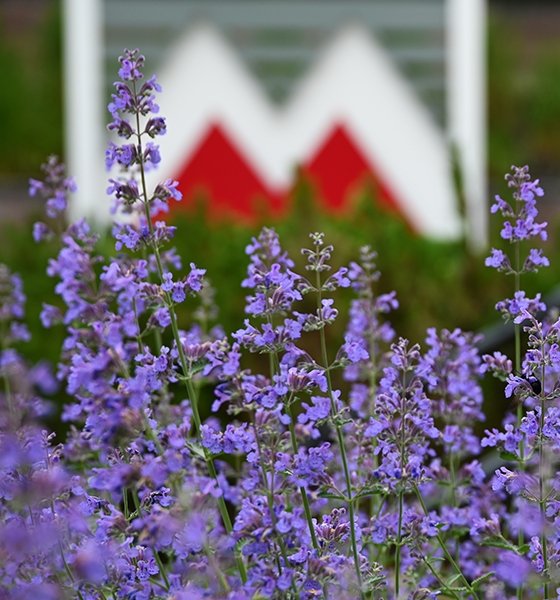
{"points": [[318, 259], [367, 323], [34, 514], [450, 369], [137, 100], [291, 488], [295, 376], [520, 225], [275, 289]]}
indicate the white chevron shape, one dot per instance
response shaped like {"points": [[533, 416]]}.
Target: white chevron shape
{"points": [[353, 83]]}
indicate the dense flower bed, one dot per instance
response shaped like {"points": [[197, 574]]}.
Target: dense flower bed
{"points": [[355, 473]]}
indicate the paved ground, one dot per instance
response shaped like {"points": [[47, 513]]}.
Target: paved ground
{"points": [[15, 204]]}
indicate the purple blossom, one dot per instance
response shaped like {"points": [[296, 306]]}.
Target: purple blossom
{"points": [[498, 260], [354, 349], [517, 306], [310, 465], [317, 411], [512, 569], [166, 190], [535, 260], [41, 232], [54, 188], [292, 487]]}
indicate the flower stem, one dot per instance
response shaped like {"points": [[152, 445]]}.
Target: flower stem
{"points": [[219, 574], [182, 358], [542, 495], [517, 332], [402, 448], [444, 548], [341, 446], [157, 558], [398, 547], [6, 378], [444, 586], [125, 503], [270, 500], [303, 491]]}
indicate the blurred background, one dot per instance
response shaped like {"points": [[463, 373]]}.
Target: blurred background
{"points": [[440, 280]]}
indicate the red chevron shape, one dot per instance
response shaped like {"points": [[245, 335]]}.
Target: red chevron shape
{"points": [[232, 146], [220, 174], [339, 170]]}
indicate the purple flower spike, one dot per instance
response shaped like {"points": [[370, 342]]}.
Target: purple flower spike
{"points": [[54, 189], [519, 224]]}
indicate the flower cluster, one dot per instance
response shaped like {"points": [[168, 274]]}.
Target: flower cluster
{"points": [[312, 472], [519, 226]]}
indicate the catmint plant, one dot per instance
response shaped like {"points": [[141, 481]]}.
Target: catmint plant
{"points": [[523, 439], [135, 119], [353, 470]]}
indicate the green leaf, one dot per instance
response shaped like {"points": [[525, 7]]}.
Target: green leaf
{"points": [[453, 580], [508, 455], [522, 550], [370, 491], [197, 367], [499, 544], [197, 450], [476, 582], [332, 496], [459, 532]]}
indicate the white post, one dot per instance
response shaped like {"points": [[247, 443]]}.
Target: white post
{"points": [[466, 107], [84, 127]]}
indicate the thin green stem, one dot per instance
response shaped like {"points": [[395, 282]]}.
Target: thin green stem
{"points": [[273, 365], [453, 474], [444, 586], [302, 490], [182, 358], [60, 547], [402, 447], [161, 567], [157, 558], [125, 503], [8, 394], [137, 320], [221, 577], [542, 494], [444, 548], [398, 547], [270, 500], [517, 333], [340, 438], [372, 395], [7, 387], [68, 570]]}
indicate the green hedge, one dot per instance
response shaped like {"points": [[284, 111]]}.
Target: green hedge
{"points": [[438, 284]]}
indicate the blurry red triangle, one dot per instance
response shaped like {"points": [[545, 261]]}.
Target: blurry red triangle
{"points": [[339, 169], [218, 172]]}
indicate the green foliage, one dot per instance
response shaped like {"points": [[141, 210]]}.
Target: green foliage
{"points": [[28, 259], [31, 96], [523, 97], [438, 284]]}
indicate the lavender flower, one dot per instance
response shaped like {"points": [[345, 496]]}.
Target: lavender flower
{"points": [[54, 189], [355, 473]]}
